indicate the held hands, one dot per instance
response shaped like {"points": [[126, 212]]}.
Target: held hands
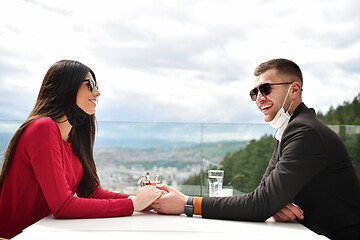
{"points": [[171, 203], [144, 197], [290, 212]]}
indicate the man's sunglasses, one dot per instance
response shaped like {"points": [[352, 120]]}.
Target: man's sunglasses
{"points": [[91, 84], [265, 89]]}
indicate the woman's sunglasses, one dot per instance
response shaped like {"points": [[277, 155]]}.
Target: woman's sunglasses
{"points": [[91, 84], [265, 89]]}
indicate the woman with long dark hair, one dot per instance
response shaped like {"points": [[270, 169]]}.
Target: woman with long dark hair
{"points": [[49, 165]]}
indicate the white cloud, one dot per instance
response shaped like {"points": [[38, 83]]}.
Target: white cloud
{"points": [[182, 61]]}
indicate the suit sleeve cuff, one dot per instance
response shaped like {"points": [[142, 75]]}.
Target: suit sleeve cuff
{"points": [[197, 205]]}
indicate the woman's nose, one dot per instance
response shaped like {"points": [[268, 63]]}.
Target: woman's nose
{"points": [[96, 92]]}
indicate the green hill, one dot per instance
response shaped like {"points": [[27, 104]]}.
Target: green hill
{"points": [[346, 114]]}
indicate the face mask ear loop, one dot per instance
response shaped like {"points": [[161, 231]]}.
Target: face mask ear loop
{"points": [[287, 94], [289, 107]]}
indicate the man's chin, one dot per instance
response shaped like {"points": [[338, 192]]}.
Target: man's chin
{"points": [[267, 118]]}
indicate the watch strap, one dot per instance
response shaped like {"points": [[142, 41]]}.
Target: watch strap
{"points": [[189, 207]]}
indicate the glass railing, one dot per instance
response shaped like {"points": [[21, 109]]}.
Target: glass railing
{"points": [[183, 152]]}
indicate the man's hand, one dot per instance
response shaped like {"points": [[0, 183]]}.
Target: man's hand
{"points": [[290, 212], [171, 203]]}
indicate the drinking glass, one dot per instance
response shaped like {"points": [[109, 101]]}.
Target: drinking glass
{"points": [[150, 179], [215, 182]]}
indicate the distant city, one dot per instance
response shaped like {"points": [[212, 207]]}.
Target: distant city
{"points": [[119, 168], [124, 152]]}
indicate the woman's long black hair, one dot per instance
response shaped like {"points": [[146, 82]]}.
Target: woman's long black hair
{"points": [[57, 97]]}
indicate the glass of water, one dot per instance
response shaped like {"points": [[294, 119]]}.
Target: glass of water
{"points": [[215, 182]]}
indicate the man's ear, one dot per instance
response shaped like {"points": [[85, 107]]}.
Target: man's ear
{"points": [[296, 89]]}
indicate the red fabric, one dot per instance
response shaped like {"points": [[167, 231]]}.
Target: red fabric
{"points": [[42, 179]]}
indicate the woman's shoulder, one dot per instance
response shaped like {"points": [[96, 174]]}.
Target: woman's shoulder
{"points": [[42, 125], [40, 133], [42, 122]]}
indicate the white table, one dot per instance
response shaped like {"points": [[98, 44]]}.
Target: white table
{"points": [[151, 225]]}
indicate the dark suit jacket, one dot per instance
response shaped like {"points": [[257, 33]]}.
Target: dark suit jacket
{"points": [[309, 167]]}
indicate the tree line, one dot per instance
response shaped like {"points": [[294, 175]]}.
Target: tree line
{"points": [[346, 114]]}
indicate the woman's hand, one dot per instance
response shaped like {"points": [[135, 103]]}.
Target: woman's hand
{"points": [[145, 196]]}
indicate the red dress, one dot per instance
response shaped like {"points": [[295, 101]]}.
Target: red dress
{"points": [[43, 177]]}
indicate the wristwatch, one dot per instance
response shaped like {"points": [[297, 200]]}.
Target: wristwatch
{"points": [[189, 207]]}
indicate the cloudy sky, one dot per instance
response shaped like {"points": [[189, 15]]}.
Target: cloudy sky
{"points": [[179, 60]]}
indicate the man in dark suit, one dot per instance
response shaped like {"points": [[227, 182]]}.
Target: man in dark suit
{"points": [[310, 177]]}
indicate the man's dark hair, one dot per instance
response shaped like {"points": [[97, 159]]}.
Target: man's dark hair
{"points": [[282, 65]]}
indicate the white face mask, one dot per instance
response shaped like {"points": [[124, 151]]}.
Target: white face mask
{"points": [[281, 116]]}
